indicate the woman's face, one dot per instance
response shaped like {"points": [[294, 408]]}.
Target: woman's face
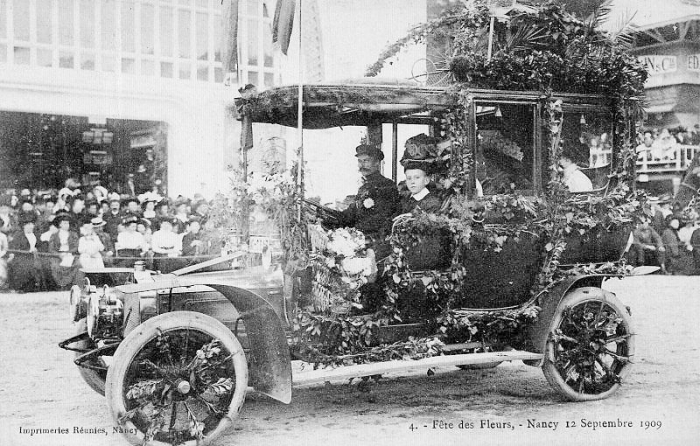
{"points": [[131, 227], [416, 180], [64, 225], [674, 224]]}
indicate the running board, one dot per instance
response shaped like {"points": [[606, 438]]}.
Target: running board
{"points": [[379, 368]]}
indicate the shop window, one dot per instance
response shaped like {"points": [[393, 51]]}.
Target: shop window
{"points": [[109, 25], [148, 67], [184, 70], [203, 3], [219, 75], [128, 65], [253, 77], [202, 72], [44, 28], [269, 80], [3, 53], [166, 31], [267, 47], [147, 28], [166, 69], [128, 27], [202, 29], [252, 42], [21, 55], [21, 20], [65, 59], [87, 61], [109, 63], [218, 26], [87, 23], [44, 58], [65, 22], [183, 33]]}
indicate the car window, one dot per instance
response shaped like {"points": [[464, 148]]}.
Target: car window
{"points": [[505, 148]]}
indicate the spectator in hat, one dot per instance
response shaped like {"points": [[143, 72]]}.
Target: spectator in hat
{"points": [[377, 200], [572, 177], [92, 208], [77, 209], [192, 245], [672, 243], [24, 271], [130, 243], [181, 215], [7, 219], [201, 210], [165, 243], [114, 217], [90, 247], [64, 265], [149, 209], [144, 228], [133, 207], [98, 225], [646, 241]]}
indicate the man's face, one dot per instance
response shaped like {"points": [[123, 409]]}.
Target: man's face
{"points": [[133, 207], [648, 140], [416, 180], [114, 206], [367, 165]]}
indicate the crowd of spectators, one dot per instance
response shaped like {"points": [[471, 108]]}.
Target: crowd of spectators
{"points": [[662, 145], [48, 237], [669, 239]]}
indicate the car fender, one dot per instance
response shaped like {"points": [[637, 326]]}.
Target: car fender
{"points": [[269, 357]]}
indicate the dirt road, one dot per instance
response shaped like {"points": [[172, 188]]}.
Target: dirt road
{"points": [[512, 404]]}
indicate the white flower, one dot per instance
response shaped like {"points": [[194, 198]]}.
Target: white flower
{"points": [[368, 203]]}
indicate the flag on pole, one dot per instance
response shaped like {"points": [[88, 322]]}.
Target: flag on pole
{"points": [[283, 23], [229, 44]]}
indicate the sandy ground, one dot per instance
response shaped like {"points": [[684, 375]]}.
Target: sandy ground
{"points": [[41, 388]]}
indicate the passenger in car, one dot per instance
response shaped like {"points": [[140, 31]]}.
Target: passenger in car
{"points": [[417, 180], [572, 177]]}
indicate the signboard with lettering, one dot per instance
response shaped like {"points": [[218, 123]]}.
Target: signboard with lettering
{"points": [[693, 63], [659, 64]]}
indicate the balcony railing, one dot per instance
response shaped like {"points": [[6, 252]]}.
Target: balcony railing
{"points": [[675, 159]]}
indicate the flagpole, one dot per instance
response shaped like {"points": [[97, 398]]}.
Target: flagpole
{"points": [[300, 116]]}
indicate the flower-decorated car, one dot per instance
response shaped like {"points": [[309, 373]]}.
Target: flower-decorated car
{"points": [[510, 267]]}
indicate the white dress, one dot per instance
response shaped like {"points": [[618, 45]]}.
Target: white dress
{"points": [[90, 248]]}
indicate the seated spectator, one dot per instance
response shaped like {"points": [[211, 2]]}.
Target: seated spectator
{"points": [[25, 269], [644, 149], [672, 244], [130, 245], [191, 243], [165, 243], [65, 267], [664, 146], [98, 226], [181, 215], [90, 247], [7, 219], [647, 241]]}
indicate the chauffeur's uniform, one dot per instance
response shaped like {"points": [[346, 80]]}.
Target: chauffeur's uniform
{"points": [[376, 203]]}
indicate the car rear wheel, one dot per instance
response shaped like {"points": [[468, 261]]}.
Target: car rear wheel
{"points": [[590, 345], [178, 378]]}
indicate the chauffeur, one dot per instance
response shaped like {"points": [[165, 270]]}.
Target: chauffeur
{"points": [[377, 200]]}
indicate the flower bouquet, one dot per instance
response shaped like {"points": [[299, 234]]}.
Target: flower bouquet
{"points": [[342, 264]]}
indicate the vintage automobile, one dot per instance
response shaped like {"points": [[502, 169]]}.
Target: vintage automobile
{"points": [[175, 354]]}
